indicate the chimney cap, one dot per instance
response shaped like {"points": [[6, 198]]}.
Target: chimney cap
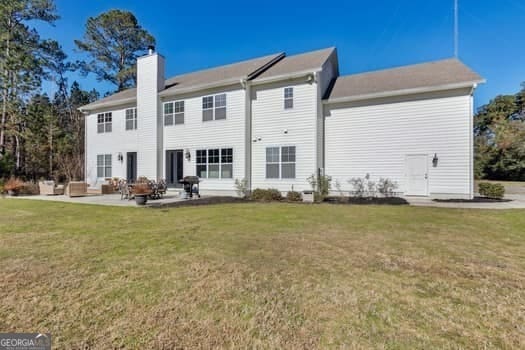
{"points": [[151, 49]]}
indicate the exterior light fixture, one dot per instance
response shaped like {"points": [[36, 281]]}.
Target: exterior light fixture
{"points": [[120, 157], [187, 155], [435, 160]]}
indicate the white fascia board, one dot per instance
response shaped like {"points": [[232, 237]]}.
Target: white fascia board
{"points": [[403, 92], [87, 109]]}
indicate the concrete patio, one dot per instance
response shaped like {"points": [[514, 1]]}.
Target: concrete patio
{"points": [[108, 199]]}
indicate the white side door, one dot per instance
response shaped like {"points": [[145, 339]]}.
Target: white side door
{"points": [[417, 175]]}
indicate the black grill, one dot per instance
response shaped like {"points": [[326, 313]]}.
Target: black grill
{"points": [[191, 185]]}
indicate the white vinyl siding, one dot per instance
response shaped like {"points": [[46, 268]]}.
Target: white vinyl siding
{"points": [[375, 137], [275, 127], [131, 119], [197, 135], [104, 122]]}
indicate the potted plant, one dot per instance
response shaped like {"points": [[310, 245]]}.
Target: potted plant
{"points": [[13, 186], [141, 191]]}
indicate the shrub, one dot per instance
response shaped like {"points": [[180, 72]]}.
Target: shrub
{"points": [[491, 190], [270, 194], [386, 187], [294, 196], [13, 184], [321, 185], [358, 185], [241, 187]]}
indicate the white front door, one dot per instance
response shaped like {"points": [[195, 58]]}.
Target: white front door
{"points": [[417, 175]]}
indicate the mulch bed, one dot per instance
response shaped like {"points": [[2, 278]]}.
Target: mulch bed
{"points": [[367, 200], [474, 200], [198, 201]]}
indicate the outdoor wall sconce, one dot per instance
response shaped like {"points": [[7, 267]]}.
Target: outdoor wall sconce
{"points": [[435, 160], [120, 157], [187, 155]]}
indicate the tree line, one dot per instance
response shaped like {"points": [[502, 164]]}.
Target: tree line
{"points": [[42, 136]]}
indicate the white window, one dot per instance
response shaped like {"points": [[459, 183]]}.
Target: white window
{"points": [[215, 163], [288, 98], [174, 113], [104, 122], [280, 162], [214, 107], [104, 165], [131, 119], [179, 112]]}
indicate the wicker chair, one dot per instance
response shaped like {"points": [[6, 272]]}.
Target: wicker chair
{"points": [[76, 189], [49, 188]]}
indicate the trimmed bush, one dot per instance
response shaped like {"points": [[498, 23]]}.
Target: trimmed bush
{"points": [[294, 196], [270, 194], [491, 190]]}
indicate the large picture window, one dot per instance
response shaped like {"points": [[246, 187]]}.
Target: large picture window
{"points": [[280, 162], [214, 107], [104, 165], [215, 163], [104, 122]]}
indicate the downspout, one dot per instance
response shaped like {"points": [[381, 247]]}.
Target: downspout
{"points": [[471, 141], [247, 133]]}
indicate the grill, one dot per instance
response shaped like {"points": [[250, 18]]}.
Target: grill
{"points": [[191, 185]]}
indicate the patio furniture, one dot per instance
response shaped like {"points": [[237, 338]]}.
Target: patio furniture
{"points": [[76, 189], [49, 188]]}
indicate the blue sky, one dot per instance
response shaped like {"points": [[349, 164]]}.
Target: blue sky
{"points": [[368, 35]]}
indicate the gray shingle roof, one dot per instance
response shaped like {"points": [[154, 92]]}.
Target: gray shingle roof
{"points": [[298, 63], [128, 94], [231, 72], [425, 75]]}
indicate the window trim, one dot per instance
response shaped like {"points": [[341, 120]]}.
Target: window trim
{"points": [[105, 165], [105, 123], [288, 98], [173, 113], [133, 119], [280, 163], [214, 106], [207, 164]]}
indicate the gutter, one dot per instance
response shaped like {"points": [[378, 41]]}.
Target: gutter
{"points": [[169, 92], [403, 92]]}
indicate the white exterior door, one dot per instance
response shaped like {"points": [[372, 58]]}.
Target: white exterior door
{"points": [[417, 175]]}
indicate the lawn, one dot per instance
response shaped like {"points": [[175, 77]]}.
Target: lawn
{"points": [[263, 276]]}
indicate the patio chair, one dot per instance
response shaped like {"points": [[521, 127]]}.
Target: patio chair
{"points": [[49, 188]]}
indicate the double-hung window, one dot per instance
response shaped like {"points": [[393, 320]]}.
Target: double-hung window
{"points": [[131, 119], [214, 107], [280, 162], [174, 113], [288, 98], [104, 122], [104, 165], [216, 163]]}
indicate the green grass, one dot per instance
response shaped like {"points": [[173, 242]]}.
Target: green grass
{"points": [[263, 276]]}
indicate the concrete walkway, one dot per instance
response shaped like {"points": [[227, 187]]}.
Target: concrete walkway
{"points": [[518, 202]]}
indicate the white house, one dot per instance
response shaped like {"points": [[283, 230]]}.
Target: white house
{"points": [[278, 119]]}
